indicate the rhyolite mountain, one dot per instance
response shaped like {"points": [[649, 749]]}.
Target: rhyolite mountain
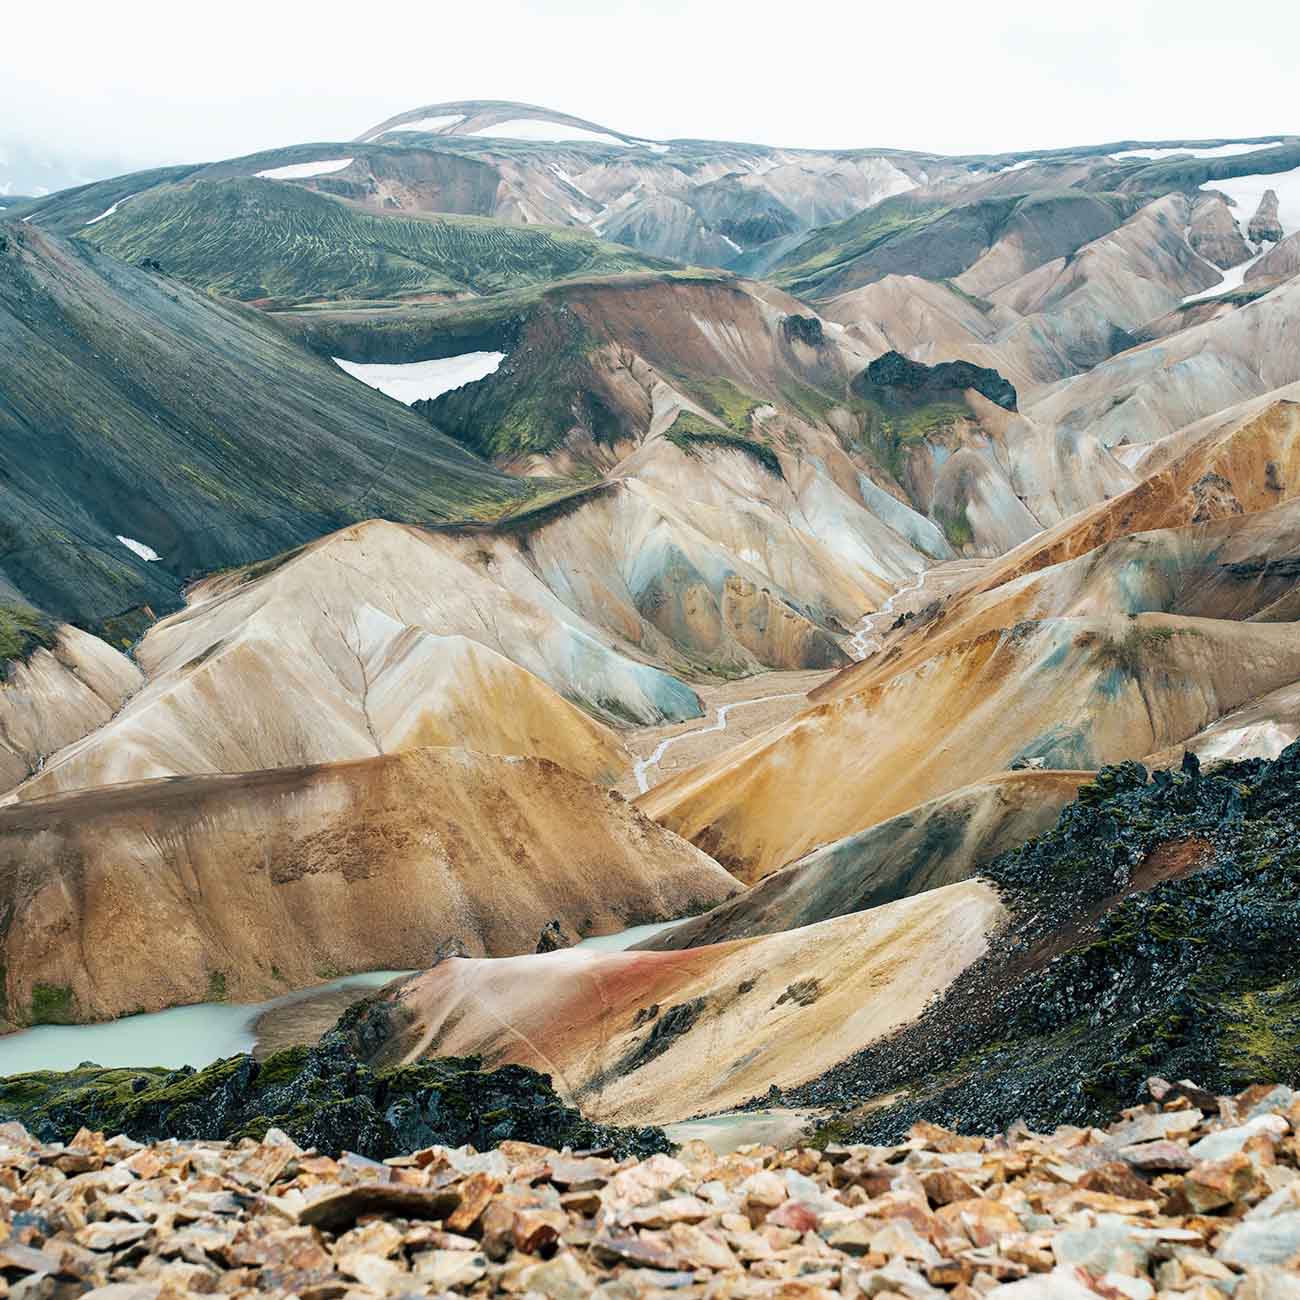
{"points": [[986, 471]]}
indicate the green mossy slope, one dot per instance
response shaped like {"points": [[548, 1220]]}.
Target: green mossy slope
{"points": [[272, 242]]}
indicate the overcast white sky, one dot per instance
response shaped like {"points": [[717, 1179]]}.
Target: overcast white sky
{"points": [[149, 82]]}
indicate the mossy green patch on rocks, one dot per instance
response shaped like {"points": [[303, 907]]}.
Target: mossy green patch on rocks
{"points": [[692, 435], [546, 389], [721, 398], [23, 631], [956, 525], [52, 1004], [891, 435], [326, 1096]]}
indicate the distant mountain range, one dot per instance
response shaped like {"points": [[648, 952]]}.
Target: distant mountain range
{"points": [[850, 511]]}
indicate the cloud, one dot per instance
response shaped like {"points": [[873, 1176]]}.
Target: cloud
{"points": [[190, 83]]}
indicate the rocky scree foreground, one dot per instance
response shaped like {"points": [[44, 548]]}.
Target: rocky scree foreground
{"points": [[1152, 931], [1194, 1196]]}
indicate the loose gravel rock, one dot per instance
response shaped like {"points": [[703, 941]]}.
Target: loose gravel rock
{"points": [[1081, 1212]]}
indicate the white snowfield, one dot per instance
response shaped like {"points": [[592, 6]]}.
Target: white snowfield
{"points": [[1015, 167], [1217, 151], [428, 123], [531, 128], [108, 212], [1246, 192], [146, 553], [301, 171], [1232, 279], [420, 380]]}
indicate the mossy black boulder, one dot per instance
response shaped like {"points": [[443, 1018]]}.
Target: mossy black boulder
{"points": [[323, 1097], [897, 381]]}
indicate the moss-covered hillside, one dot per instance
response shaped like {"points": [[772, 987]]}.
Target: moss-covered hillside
{"points": [[133, 406], [266, 241]]}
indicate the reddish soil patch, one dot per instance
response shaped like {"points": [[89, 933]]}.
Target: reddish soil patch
{"points": [[1168, 861]]}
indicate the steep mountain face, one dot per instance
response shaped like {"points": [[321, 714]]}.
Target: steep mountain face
{"points": [[56, 692], [1061, 653], [261, 881], [148, 432], [1034, 316], [1063, 693], [941, 842], [378, 639], [1101, 978]]}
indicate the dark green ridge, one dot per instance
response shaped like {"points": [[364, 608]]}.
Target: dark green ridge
{"points": [[396, 332], [131, 404], [918, 234], [269, 242], [68, 211], [1114, 966]]}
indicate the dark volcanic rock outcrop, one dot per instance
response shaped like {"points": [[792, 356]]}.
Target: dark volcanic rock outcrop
{"points": [[1153, 931], [901, 381], [804, 329], [321, 1097], [1266, 223]]}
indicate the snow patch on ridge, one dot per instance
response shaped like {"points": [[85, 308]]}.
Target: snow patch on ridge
{"points": [[109, 211], [1247, 191], [1232, 279], [301, 171], [531, 128], [1217, 151], [146, 553], [1015, 167], [421, 380]]}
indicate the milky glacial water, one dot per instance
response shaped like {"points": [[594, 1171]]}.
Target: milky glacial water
{"points": [[195, 1035], [626, 938], [206, 1032]]}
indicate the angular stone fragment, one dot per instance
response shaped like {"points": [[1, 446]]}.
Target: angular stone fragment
{"points": [[943, 1186], [341, 1208], [1216, 1183], [1116, 1179], [1272, 1241], [1111, 1247], [447, 1269], [981, 1220], [1156, 1157], [475, 1194]]}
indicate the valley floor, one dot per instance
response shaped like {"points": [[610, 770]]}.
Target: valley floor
{"points": [[752, 704]]}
